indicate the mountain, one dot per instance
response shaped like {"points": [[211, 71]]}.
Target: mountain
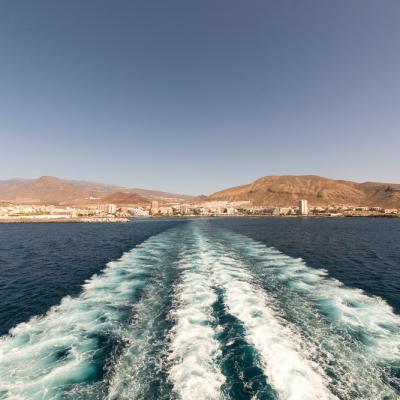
{"points": [[11, 184], [163, 196], [269, 190], [287, 190], [124, 198], [52, 190]]}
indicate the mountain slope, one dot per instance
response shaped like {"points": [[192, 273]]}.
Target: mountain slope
{"points": [[124, 198], [51, 190], [288, 189]]}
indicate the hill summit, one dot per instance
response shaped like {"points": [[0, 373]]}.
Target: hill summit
{"points": [[286, 190], [52, 190]]}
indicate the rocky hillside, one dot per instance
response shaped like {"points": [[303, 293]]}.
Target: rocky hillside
{"points": [[126, 198], [51, 190], [287, 190]]}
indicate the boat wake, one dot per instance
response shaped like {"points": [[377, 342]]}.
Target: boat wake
{"points": [[200, 313]]}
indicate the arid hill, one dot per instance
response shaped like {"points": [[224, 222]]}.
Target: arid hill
{"points": [[319, 191], [51, 190], [269, 190], [126, 198]]}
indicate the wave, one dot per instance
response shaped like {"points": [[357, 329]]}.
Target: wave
{"points": [[140, 371], [195, 371], [199, 313], [291, 374], [354, 337], [63, 354]]}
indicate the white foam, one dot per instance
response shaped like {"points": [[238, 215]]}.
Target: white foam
{"points": [[29, 366], [292, 375], [351, 309], [362, 358], [195, 372], [142, 359]]}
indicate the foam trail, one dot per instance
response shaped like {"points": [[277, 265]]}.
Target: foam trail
{"points": [[240, 362], [356, 337], [62, 354], [140, 372], [292, 375], [195, 372]]}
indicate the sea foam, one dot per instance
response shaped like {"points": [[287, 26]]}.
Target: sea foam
{"points": [[195, 372], [59, 354], [146, 328], [292, 375], [356, 337]]}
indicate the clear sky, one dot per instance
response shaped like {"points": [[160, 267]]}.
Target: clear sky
{"points": [[195, 96]]}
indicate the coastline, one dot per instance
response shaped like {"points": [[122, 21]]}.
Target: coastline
{"points": [[125, 220], [61, 220]]}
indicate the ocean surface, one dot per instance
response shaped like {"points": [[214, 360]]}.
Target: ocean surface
{"points": [[217, 308]]}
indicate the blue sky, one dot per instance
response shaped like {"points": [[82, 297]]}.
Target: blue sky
{"points": [[195, 96]]}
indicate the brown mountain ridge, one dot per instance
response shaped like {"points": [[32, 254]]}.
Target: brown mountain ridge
{"points": [[56, 191], [287, 190], [283, 190]]}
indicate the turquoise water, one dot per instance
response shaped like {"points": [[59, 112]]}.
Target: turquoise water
{"points": [[211, 309]]}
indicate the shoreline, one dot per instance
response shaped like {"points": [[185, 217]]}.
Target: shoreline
{"points": [[62, 220], [125, 220]]}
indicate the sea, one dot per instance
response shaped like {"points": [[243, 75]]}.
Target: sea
{"points": [[202, 308]]}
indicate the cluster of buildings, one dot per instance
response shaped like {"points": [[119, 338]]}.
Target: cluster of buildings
{"points": [[188, 209], [226, 208], [95, 213], [113, 213]]}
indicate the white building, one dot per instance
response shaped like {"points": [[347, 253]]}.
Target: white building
{"points": [[107, 208], [154, 208], [303, 207], [138, 211], [166, 210]]}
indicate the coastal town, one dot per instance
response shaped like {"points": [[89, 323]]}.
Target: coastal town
{"points": [[116, 213], [52, 199]]}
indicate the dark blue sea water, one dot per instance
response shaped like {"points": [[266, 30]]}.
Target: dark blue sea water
{"points": [[220, 308], [361, 252], [42, 263]]}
